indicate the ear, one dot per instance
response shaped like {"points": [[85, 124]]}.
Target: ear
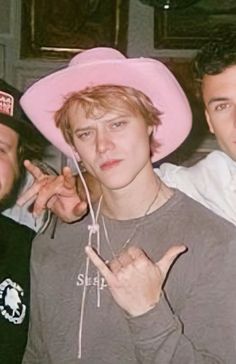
{"points": [[75, 153], [208, 119], [150, 129]]}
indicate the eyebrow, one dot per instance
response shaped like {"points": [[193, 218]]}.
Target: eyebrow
{"points": [[217, 99], [118, 117]]}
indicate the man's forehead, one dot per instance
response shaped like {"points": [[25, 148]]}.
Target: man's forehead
{"points": [[99, 112], [227, 75], [221, 85], [7, 135]]}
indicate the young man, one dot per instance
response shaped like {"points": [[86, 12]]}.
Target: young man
{"points": [[18, 140], [212, 181], [135, 303]]}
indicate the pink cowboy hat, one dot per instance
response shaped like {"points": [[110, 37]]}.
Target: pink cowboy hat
{"points": [[100, 66]]}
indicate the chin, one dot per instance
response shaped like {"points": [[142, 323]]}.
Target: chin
{"points": [[6, 202], [117, 184], [4, 194], [8, 199]]}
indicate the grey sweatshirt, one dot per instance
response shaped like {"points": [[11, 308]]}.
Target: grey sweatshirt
{"points": [[193, 323]]}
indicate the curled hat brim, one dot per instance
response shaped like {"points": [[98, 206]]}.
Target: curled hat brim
{"points": [[150, 76]]}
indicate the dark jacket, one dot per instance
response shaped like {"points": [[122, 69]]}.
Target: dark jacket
{"points": [[15, 247]]}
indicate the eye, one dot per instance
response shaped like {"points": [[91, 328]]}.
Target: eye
{"points": [[222, 106], [118, 124], [2, 151], [84, 135]]}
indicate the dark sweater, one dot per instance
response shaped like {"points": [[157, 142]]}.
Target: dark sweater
{"points": [[15, 247]]}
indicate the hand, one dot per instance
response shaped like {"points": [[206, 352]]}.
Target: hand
{"points": [[58, 193], [134, 280]]}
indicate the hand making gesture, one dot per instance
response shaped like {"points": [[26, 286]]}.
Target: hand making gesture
{"points": [[134, 280], [57, 193]]}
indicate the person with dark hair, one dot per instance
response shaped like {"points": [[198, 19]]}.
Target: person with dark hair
{"points": [[212, 181], [19, 140], [215, 56], [119, 286]]}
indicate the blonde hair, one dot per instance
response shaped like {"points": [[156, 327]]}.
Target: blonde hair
{"points": [[105, 98]]}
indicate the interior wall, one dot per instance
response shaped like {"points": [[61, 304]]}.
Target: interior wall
{"points": [[23, 72]]}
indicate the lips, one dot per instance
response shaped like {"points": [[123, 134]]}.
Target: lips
{"points": [[110, 164]]}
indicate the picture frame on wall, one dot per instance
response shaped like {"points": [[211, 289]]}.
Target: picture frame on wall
{"points": [[59, 28], [191, 27]]}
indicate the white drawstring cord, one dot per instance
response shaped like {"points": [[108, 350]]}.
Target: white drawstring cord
{"points": [[93, 229]]}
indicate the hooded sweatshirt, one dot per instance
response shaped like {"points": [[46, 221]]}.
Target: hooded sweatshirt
{"points": [[194, 321]]}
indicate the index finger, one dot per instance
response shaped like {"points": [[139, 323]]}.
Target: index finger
{"points": [[101, 266], [33, 170]]}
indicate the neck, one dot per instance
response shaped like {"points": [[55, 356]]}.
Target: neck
{"points": [[142, 196]]}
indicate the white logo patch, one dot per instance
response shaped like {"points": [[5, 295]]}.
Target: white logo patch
{"points": [[6, 103], [11, 306]]}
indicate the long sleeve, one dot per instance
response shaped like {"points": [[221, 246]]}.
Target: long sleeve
{"points": [[194, 322], [159, 338], [212, 182], [205, 317], [34, 353]]}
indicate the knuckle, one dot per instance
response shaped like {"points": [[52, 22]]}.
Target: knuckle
{"points": [[132, 249], [141, 261], [121, 275]]}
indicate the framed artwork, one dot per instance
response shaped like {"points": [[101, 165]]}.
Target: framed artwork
{"points": [[190, 27], [58, 28]]}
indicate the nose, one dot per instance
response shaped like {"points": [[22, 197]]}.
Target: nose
{"points": [[103, 141]]}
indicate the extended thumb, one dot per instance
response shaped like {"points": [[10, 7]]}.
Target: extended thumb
{"points": [[166, 261]]}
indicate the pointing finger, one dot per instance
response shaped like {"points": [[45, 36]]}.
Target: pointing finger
{"points": [[33, 170]]}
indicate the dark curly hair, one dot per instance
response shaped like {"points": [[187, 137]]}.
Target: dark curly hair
{"points": [[32, 146], [216, 55]]}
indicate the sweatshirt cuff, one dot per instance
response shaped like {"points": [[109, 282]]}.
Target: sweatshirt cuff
{"points": [[158, 321]]}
